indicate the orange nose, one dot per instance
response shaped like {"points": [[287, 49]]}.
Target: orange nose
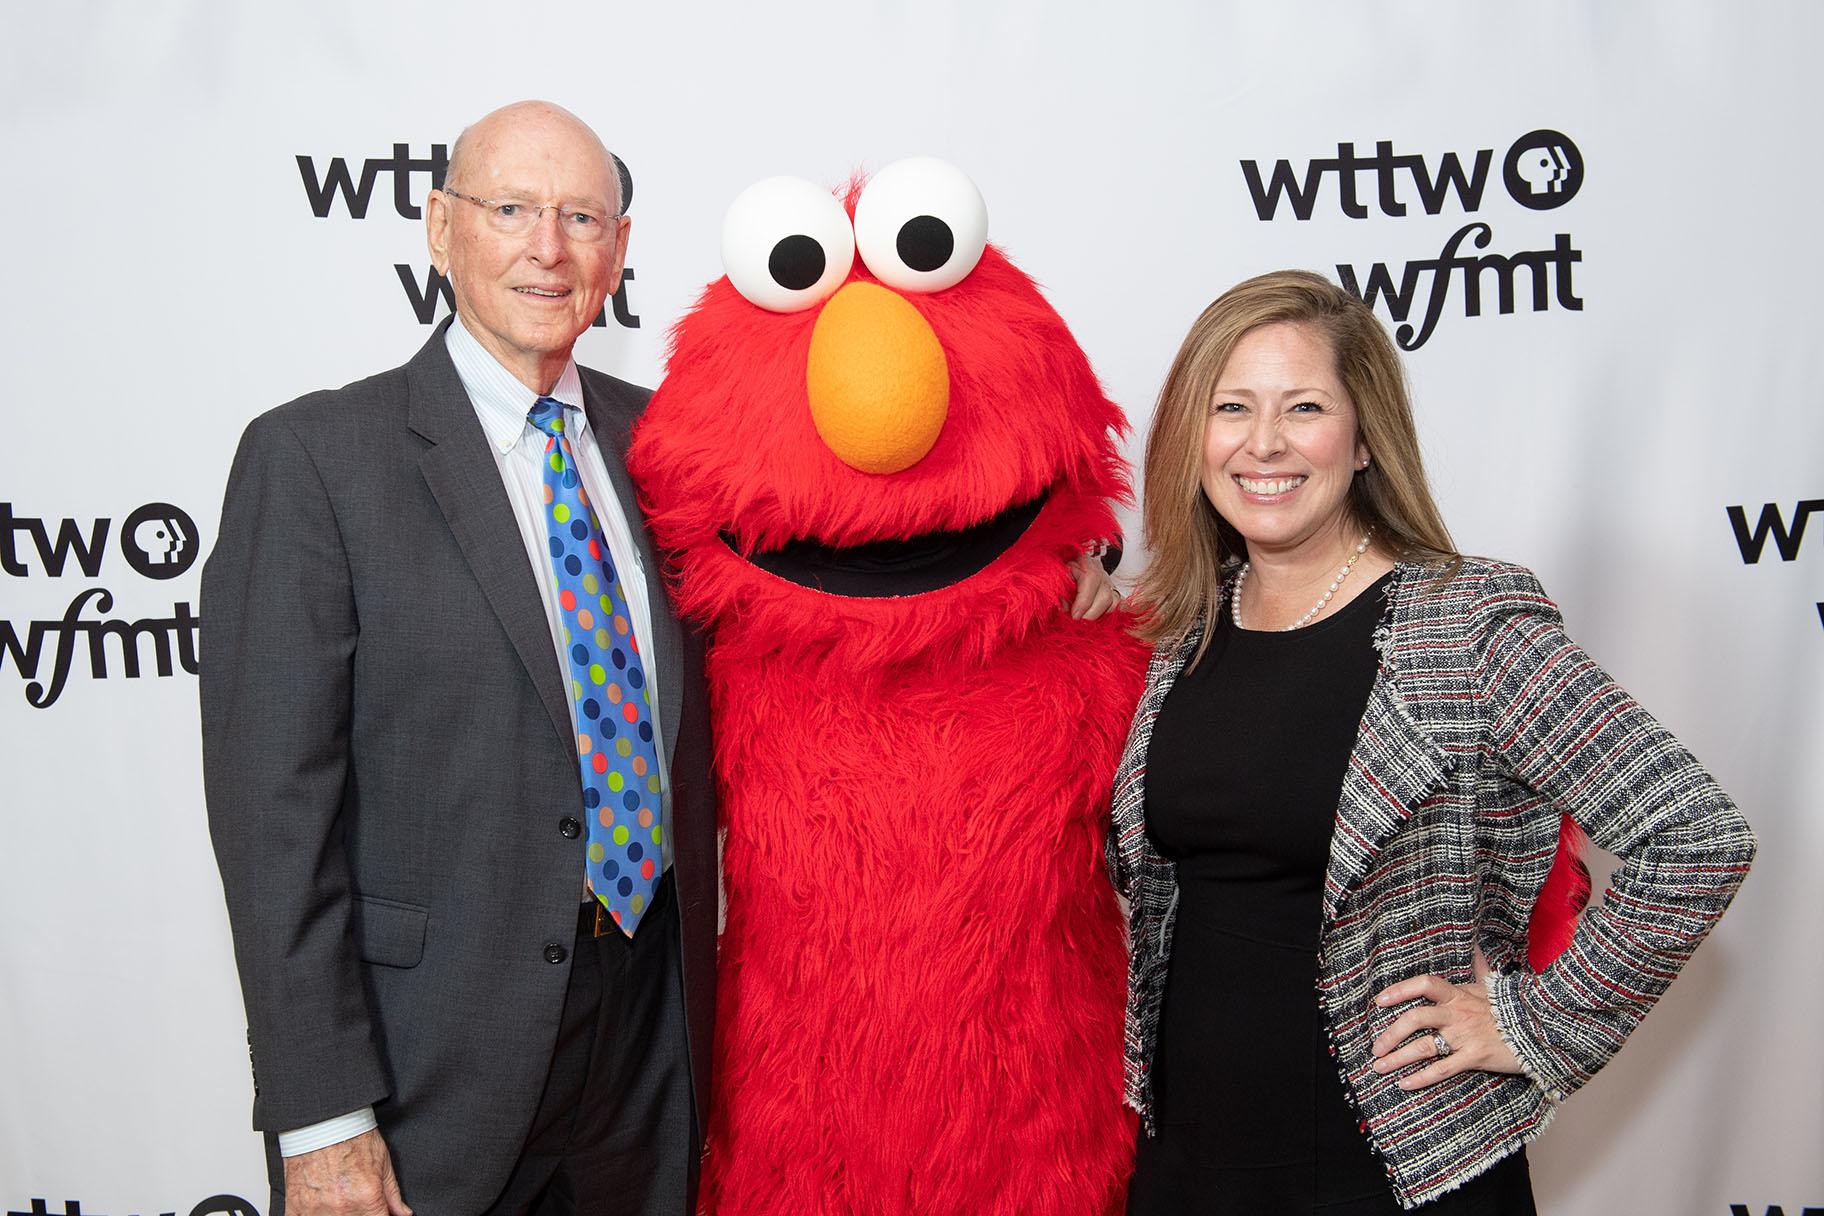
{"points": [[878, 383]]}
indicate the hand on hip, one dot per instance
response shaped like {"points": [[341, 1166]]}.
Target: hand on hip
{"points": [[1455, 1030]]}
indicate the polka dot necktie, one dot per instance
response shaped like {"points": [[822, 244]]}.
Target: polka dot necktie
{"points": [[614, 745]]}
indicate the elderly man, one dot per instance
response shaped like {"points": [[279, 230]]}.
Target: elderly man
{"points": [[455, 745]]}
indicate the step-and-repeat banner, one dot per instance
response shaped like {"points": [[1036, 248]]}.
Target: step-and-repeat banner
{"points": [[1592, 229]]}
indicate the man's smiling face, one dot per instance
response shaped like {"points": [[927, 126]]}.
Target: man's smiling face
{"points": [[527, 297]]}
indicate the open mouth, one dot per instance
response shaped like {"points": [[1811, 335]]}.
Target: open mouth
{"points": [[885, 568], [1269, 486]]}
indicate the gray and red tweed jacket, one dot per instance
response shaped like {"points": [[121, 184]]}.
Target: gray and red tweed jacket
{"points": [[1485, 721]]}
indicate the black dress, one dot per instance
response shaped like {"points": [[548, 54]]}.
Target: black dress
{"points": [[1243, 776]]}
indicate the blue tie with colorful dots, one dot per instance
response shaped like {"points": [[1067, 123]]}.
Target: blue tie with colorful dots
{"points": [[614, 745]]}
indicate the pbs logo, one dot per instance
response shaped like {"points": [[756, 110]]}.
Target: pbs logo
{"points": [[159, 541], [224, 1205], [1543, 170]]}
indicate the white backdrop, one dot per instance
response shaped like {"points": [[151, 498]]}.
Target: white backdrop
{"points": [[167, 278]]}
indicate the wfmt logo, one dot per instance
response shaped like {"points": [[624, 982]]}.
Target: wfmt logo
{"points": [[1786, 532], [157, 541], [1542, 170], [413, 176]]}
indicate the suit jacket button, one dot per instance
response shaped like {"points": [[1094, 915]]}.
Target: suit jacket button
{"points": [[569, 827], [555, 953]]}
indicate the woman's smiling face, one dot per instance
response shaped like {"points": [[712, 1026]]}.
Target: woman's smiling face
{"points": [[1280, 443]]}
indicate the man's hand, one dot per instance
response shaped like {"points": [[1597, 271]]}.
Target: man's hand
{"points": [[353, 1178], [1096, 592]]}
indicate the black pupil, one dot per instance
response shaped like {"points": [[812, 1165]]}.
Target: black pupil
{"points": [[796, 262], [925, 242]]}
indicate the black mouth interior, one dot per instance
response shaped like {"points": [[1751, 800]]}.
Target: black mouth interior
{"points": [[885, 568]]}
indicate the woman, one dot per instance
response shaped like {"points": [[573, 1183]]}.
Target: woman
{"points": [[1348, 769]]}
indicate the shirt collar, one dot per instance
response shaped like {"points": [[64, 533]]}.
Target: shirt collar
{"points": [[501, 402]]}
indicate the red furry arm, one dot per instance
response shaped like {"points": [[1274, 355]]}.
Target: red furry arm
{"points": [[1561, 900]]}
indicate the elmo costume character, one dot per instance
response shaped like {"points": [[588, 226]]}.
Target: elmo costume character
{"points": [[875, 451], [873, 456]]}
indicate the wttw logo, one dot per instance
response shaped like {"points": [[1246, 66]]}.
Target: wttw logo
{"points": [[1542, 170], [414, 176], [1771, 525], [323, 188], [157, 540], [1786, 532]]}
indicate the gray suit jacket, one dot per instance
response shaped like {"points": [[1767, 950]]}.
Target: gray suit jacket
{"points": [[388, 755]]}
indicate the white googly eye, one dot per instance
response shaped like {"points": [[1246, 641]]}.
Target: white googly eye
{"points": [[787, 244], [921, 225]]}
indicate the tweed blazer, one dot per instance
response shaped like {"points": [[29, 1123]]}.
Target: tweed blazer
{"points": [[1484, 722]]}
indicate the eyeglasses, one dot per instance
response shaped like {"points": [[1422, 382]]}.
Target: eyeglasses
{"points": [[513, 218]]}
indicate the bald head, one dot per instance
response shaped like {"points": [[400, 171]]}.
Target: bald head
{"points": [[474, 160], [529, 233]]}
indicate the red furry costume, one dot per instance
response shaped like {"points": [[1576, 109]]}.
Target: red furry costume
{"points": [[922, 975]]}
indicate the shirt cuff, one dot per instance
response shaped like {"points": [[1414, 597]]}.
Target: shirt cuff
{"points": [[328, 1132]]}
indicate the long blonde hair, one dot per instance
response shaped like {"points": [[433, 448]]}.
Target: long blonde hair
{"points": [[1191, 544]]}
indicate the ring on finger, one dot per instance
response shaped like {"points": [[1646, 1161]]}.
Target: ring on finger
{"points": [[1440, 1045]]}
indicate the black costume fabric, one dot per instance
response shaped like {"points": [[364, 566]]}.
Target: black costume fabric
{"points": [[1242, 784]]}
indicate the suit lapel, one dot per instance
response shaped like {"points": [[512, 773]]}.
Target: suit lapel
{"points": [[1393, 768], [463, 478], [612, 423]]}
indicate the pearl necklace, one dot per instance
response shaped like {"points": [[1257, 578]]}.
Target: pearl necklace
{"points": [[1241, 577]]}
